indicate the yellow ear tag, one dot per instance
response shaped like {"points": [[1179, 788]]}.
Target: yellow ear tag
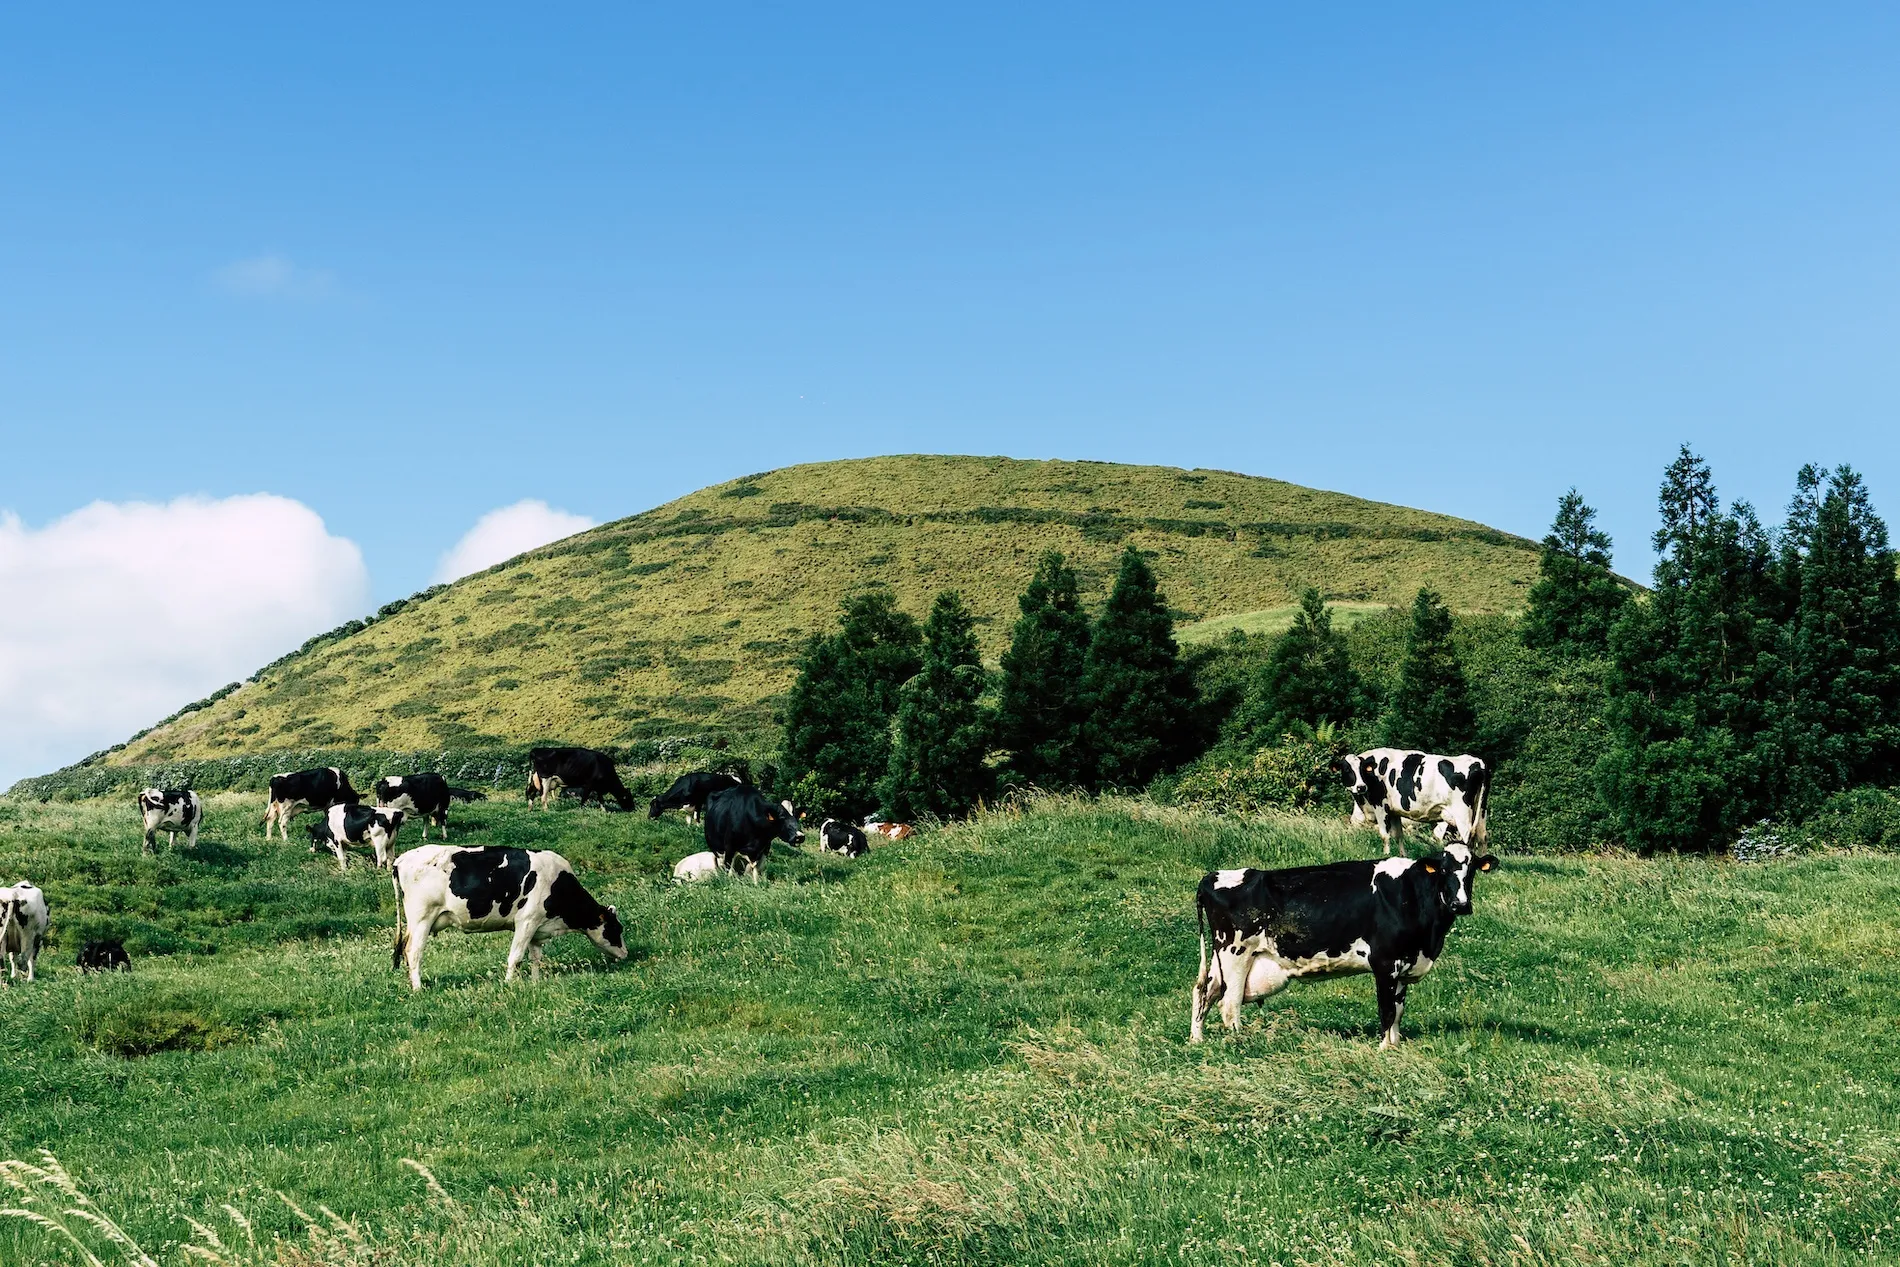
{"points": [[1430, 869]]}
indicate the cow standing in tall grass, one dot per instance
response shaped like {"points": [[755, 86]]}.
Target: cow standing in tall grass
{"points": [[23, 922]]}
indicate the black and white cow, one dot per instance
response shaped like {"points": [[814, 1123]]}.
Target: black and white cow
{"points": [[742, 823], [424, 796], [1393, 785], [696, 867], [171, 812], [587, 770], [293, 793], [347, 825], [1389, 918], [689, 792], [23, 923], [103, 954], [835, 836], [488, 888]]}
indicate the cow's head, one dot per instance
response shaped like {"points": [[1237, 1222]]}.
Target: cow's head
{"points": [[784, 820], [1455, 869], [653, 808], [391, 819], [608, 935]]}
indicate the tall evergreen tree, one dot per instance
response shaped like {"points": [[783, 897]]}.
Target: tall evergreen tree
{"points": [[1431, 709], [1141, 697], [1307, 679], [1576, 598], [1688, 691], [943, 732], [1041, 709], [837, 737], [885, 641]]}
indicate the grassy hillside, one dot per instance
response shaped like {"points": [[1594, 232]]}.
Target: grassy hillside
{"points": [[966, 1049], [686, 619]]}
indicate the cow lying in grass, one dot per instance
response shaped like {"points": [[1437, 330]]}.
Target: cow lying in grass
{"points": [[489, 888], [1389, 918], [839, 837]]}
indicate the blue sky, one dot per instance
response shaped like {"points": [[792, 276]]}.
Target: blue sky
{"points": [[407, 267]]}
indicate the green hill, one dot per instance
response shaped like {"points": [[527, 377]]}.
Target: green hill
{"points": [[688, 618]]}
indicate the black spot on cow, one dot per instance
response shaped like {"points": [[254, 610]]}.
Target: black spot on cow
{"points": [[491, 879], [572, 904], [1408, 779]]}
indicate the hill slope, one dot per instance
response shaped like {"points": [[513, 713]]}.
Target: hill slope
{"points": [[688, 618]]}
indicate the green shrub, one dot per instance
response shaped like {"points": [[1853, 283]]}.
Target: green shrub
{"points": [[1859, 818], [1290, 775]]}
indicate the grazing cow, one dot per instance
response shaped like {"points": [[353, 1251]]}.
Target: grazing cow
{"points": [[487, 888], [1391, 785], [23, 922], [292, 794], [103, 954], [1389, 918], [695, 867], [742, 823], [590, 772], [424, 796], [689, 792], [170, 812], [356, 825], [890, 831], [842, 838]]}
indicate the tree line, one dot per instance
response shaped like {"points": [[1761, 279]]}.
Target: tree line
{"points": [[1758, 677]]}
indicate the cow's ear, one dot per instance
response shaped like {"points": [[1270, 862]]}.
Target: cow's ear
{"points": [[1487, 863]]}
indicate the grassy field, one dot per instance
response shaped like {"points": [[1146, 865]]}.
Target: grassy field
{"points": [[687, 618], [966, 1049], [1269, 621]]}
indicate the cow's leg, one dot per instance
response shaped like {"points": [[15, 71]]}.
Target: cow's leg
{"points": [[534, 961], [418, 934], [1391, 982], [524, 938], [1203, 994], [191, 836], [1236, 967], [171, 841], [342, 861], [151, 839]]}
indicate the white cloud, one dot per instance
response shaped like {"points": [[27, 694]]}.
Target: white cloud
{"points": [[117, 614], [275, 277], [504, 533]]}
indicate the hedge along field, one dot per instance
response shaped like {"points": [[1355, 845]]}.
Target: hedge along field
{"points": [[967, 1048]]}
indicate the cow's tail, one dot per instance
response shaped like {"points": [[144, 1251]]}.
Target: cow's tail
{"points": [[534, 781], [402, 921], [1480, 804]]}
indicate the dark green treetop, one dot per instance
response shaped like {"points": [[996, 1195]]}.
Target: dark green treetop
{"points": [[937, 763], [1141, 697], [1041, 709]]}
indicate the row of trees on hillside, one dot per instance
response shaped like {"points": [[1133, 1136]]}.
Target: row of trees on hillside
{"points": [[889, 716]]}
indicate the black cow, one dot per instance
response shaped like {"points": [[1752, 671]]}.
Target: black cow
{"points": [[171, 811], [1389, 918], [689, 792], [589, 771], [103, 954], [356, 825], [742, 823], [835, 836], [291, 794], [425, 796]]}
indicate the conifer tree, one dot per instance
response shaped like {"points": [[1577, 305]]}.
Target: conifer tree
{"points": [[1576, 598], [1141, 697], [1041, 710], [1431, 709], [837, 737], [943, 732], [1307, 679], [885, 641]]}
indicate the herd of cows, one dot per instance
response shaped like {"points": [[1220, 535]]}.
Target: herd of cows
{"points": [[1389, 917]]}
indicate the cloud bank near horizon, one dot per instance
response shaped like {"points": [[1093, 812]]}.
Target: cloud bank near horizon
{"points": [[119, 613]]}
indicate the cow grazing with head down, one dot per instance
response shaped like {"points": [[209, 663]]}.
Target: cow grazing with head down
{"points": [[170, 811], [293, 793], [1389, 918], [588, 771], [689, 792], [23, 923], [424, 796], [357, 825], [836, 836], [488, 888], [741, 824], [103, 954], [1391, 786]]}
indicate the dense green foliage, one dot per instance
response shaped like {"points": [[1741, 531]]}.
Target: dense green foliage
{"points": [[1041, 709], [1141, 697], [1763, 674], [943, 731], [1307, 680], [931, 1056], [1431, 709], [837, 736], [1577, 598]]}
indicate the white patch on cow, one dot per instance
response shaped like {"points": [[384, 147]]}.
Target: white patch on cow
{"points": [[23, 924], [696, 867], [1420, 966], [1228, 879], [1392, 868]]}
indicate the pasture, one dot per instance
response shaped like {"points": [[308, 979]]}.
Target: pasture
{"points": [[967, 1048]]}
